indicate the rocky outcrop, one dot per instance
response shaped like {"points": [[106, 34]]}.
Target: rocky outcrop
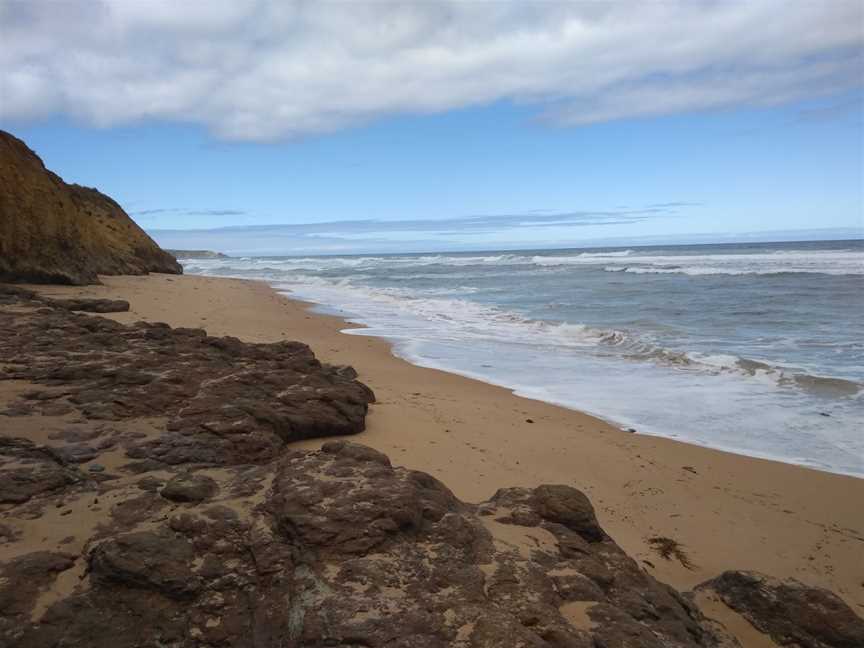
{"points": [[27, 471], [790, 612], [224, 401], [344, 549], [54, 232], [92, 305], [165, 506]]}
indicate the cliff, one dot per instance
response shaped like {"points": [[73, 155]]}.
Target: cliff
{"points": [[54, 232]]}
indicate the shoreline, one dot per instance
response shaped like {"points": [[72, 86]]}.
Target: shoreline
{"points": [[353, 325], [517, 392], [727, 510]]}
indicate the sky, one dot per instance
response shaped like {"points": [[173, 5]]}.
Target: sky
{"points": [[337, 127]]}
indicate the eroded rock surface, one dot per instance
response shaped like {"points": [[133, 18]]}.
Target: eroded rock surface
{"points": [[790, 612], [93, 305], [162, 505], [339, 548], [226, 401], [27, 470]]}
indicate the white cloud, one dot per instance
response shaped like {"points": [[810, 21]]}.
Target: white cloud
{"points": [[260, 70]]}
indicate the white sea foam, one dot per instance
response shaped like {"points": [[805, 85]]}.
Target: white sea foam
{"points": [[833, 262], [471, 314], [395, 313], [790, 261]]}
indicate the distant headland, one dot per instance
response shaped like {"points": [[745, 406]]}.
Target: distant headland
{"points": [[197, 254]]}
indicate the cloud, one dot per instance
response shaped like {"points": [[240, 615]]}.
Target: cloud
{"points": [[188, 212], [255, 242], [251, 70], [467, 224]]}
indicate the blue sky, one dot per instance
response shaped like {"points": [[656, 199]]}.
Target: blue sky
{"points": [[716, 144]]}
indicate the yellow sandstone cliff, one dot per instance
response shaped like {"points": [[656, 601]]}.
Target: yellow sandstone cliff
{"points": [[54, 232]]}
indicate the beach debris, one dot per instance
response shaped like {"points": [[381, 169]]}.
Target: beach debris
{"points": [[668, 548]]}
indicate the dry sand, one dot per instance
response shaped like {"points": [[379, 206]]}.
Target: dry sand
{"points": [[728, 511]]}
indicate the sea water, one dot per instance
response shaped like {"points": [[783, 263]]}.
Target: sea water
{"points": [[752, 348]]}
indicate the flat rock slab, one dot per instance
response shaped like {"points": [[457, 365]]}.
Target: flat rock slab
{"points": [[92, 305], [189, 487], [227, 401], [790, 612]]}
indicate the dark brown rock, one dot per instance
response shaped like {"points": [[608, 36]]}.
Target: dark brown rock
{"points": [[21, 581], [226, 401], [54, 232], [792, 613], [570, 507], [76, 453], [27, 470], [189, 487], [344, 549], [146, 560], [93, 305]]}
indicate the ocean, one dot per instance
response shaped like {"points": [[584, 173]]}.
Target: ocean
{"points": [[753, 348]]}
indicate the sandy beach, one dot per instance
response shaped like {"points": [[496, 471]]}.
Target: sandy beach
{"points": [[727, 511]]}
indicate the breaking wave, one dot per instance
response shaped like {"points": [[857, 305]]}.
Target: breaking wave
{"points": [[394, 311], [642, 336], [831, 262]]}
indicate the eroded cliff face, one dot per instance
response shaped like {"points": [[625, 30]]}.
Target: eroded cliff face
{"points": [[54, 232]]}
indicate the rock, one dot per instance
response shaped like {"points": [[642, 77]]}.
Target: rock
{"points": [[432, 571], [189, 487], [149, 483], [570, 507], [226, 401], [56, 409], [21, 581], [96, 468], [8, 534], [77, 453], [375, 507], [54, 232], [93, 305], [345, 549], [146, 559], [354, 451], [559, 504], [792, 613], [27, 471]]}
